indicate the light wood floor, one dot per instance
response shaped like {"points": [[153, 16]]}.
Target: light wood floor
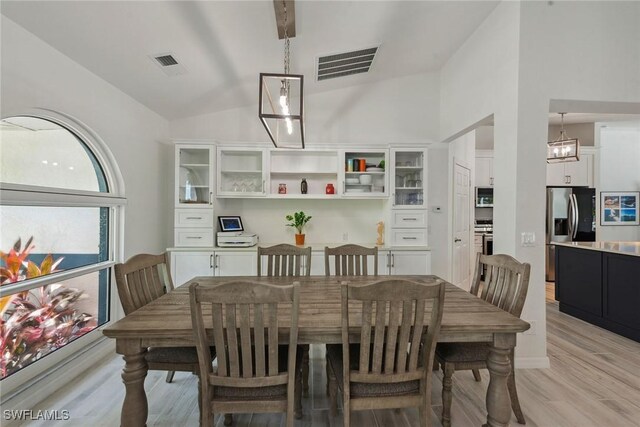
{"points": [[594, 381]]}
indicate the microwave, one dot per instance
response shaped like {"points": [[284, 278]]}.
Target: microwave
{"points": [[484, 197]]}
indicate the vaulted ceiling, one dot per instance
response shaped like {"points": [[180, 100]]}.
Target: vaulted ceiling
{"points": [[224, 45]]}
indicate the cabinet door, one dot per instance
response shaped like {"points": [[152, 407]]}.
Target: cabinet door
{"points": [[621, 294], [236, 264], [408, 178], [194, 176], [372, 182], [579, 279], [484, 171], [187, 265], [242, 172], [556, 175], [410, 262], [580, 174]]}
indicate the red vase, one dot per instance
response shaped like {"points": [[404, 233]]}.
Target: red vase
{"points": [[330, 189]]}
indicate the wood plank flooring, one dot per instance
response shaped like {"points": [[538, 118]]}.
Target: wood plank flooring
{"points": [[594, 381]]}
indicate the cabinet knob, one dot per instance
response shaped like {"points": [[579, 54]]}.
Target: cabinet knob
{"points": [[457, 240]]}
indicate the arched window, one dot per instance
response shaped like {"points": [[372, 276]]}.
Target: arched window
{"points": [[59, 203]]}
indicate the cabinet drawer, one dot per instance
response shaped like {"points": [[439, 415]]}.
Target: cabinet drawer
{"points": [[194, 218], [409, 219], [409, 237], [196, 237]]}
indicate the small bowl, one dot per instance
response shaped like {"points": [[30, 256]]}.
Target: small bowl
{"points": [[365, 179], [351, 181]]}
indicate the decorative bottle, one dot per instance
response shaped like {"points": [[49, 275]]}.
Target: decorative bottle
{"points": [[303, 186]]}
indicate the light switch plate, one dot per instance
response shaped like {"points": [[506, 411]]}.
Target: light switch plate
{"points": [[528, 238]]}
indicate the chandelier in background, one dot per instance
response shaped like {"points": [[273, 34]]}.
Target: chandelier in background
{"points": [[282, 114], [563, 149]]}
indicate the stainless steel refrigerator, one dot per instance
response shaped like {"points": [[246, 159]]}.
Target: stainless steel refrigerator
{"points": [[571, 213]]}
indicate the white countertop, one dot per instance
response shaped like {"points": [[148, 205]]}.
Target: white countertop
{"points": [[314, 247], [624, 248]]}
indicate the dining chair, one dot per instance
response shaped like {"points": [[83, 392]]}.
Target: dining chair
{"points": [[391, 366], [350, 260], [285, 260], [289, 260], [140, 280], [254, 373], [504, 285]]}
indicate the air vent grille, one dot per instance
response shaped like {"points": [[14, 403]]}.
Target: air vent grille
{"points": [[166, 60], [345, 64]]}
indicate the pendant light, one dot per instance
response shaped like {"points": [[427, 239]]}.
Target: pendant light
{"points": [[282, 116], [563, 149]]}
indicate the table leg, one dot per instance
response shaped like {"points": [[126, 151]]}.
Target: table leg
{"points": [[498, 403], [134, 407]]}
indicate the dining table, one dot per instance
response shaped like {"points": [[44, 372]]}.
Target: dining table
{"points": [[166, 322]]}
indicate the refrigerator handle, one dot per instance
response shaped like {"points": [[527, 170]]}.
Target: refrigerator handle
{"points": [[570, 216], [576, 216]]}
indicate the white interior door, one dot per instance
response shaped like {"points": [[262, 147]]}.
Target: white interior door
{"points": [[461, 258]]}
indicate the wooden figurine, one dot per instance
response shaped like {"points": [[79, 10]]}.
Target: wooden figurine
{"points": [[380, 240]]}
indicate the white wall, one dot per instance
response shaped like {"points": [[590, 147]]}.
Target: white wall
{"points": [[34, 75], [438, 195], [402, 110], [519, 60], [619, 170]]}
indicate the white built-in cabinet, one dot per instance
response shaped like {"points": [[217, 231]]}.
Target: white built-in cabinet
{"points": [[401, 262], [185, 265], [572, 174], [363, 173], [484, 168], [287, 169], [193, 195]]}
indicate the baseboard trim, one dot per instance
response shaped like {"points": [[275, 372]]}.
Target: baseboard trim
{"points": [[41, 387], [532, 363]]}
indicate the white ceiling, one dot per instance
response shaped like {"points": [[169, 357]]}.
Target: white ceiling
{"points": [[224, 45]]}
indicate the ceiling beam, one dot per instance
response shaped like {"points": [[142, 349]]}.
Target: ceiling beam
{"points": [[278, 6]]}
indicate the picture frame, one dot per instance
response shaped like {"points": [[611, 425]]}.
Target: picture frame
{"points": [[230, 223], [619, 208]]}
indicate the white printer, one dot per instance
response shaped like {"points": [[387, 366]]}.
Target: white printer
{"points": [[232, 233]]}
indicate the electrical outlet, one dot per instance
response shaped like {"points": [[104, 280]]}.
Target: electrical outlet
{"points": [[345, 237], [532, 329]]}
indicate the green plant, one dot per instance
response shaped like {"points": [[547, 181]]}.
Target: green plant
{"points": [[298, 220], [34, 323]]}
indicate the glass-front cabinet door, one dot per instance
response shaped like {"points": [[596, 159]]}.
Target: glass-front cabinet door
{"points": [[364, 173], [242, 172], [409, 178], [194, 175]]}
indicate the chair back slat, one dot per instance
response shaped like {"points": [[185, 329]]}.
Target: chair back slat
{"points": [[142, 279], [258, 331], [232, 341], [350, 260], [505, 283], [218, 338], [285, 260], [245, 339], [398, 328], [272, 309]]}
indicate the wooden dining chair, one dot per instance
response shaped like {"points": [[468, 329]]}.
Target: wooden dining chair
{"points": [[285, 260], [140, 280], [289, 260], [391, 366], [254, 373], [505, 285], [350, 260]]}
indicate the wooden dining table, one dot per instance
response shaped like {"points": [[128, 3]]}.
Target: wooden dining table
{"points": [[166, 322]]}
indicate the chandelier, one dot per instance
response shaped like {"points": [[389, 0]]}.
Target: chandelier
{"points": [[563, 149], [281, 100]]}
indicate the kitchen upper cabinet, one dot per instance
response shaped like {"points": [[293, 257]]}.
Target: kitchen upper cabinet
{"points": [[363, 173], [242, 172], [484, 170], [571, 174], [408, 178]]}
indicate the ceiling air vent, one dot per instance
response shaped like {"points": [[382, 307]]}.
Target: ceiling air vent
{"points": [[168, 64], [345, 64]]}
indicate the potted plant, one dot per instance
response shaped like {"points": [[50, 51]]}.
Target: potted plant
{"points": [[298, 220]]}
